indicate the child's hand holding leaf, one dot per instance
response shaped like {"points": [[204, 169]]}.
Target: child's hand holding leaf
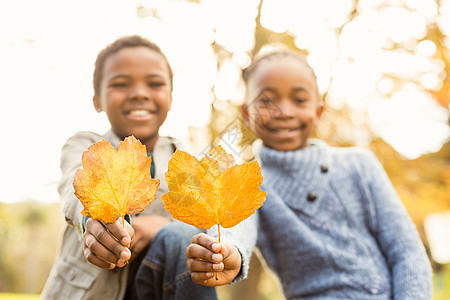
{"points": [[113, 184], [205, 257], [106, 245], [212, 191]]}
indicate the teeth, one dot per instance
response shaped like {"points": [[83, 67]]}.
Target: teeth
{"points": [[139, 113], [283, 130]]}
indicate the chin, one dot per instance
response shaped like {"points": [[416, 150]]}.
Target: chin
{"points": [[286, 147]]}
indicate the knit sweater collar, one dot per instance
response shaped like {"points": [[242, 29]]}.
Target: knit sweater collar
{"points": [[296, 175]]}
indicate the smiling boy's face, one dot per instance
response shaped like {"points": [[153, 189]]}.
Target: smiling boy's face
{"points": [[283, 103], [135, 93]]}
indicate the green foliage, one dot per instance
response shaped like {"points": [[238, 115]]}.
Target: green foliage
{"points": [[441, 283], [4, 296], [29, 232]]}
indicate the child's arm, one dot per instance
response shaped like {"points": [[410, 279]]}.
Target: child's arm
{"points": [[71, 154], [398, 238], [205, 257], [107, 245]]}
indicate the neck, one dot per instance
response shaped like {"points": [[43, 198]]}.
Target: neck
{"points": [[292, 160], [150, 143]]}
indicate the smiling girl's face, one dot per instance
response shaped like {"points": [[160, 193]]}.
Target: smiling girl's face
{"points": [[135, 93], [283, 104]]}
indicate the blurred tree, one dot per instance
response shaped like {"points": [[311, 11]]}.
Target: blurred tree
{"points": [[423, 183]]}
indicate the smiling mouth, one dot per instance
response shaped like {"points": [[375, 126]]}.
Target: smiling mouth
{"points": [[139, 113], [282, 130]]}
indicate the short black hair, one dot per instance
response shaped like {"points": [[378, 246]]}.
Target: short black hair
{"points": [[130, 41]]}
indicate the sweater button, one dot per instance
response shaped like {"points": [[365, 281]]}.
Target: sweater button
{"points": [[323, 168], [311, 197]]}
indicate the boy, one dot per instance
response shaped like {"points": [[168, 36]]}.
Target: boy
{"points": [[133, 86]]}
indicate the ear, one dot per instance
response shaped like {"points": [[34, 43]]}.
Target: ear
{"points": [[97, 105], [319, 111], [170, 101], [245, 114]]}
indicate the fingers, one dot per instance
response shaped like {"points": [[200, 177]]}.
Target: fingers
{"points": [[204, 258], [95, 260], [194, 251], [232, 259], [204, 247], [202, 271], [102, 247], [206, 241], [202, 277], [204, 266], [211, 263], [123, 234]]}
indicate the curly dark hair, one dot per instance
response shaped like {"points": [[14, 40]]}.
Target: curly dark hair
{"points": [[119, 44]]}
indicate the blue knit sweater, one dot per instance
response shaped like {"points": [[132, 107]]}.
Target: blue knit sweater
{"points": [[333, 227]]}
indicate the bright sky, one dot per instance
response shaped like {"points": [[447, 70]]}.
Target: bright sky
{"points": [[48, 49]]}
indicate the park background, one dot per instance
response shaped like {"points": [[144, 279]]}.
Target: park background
{"points": [[383, 68]]}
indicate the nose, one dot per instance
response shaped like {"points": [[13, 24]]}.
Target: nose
{"points": [[284, 109], [139, 91]]}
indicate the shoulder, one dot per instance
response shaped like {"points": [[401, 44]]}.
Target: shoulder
{"points": [[355, 161], [82, 136], [356, 152], [82, 140], [353, 155], [361, 164], [168, 141]]}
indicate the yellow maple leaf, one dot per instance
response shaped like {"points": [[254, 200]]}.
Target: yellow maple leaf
{"points": [[212, 191], [113, 182]]}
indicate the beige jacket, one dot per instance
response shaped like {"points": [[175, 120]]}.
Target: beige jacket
{"points": [[72, 276]]}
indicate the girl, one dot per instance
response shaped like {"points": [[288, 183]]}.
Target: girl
{"points": [[332, 226]]}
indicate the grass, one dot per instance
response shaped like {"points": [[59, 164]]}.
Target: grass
{"points": [[441, 286], [5, 296], [441, 290]]}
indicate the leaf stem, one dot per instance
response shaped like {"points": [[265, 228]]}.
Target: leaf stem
{"points": [[218, 230], [123, 226]]}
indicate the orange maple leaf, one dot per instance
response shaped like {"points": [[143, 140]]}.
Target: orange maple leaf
{"points": [[113, 182], [213, 190]]}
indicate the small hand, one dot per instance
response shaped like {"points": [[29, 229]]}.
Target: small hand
{"points": [[107, 245], [206, 257]]}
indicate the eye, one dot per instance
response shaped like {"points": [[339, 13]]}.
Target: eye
{"points": [[154, 84], [264, 103], [299, 100], [266, 100], [118, 84]]}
